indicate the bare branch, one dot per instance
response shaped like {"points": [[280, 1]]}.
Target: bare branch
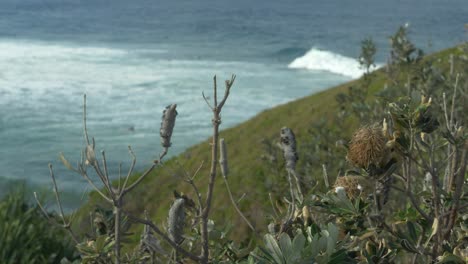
{"points": [[453, 100], [84, 120], [237, 208], [85, 175], [106, 172], [190, 180], [132, 166], [57, 196], [134, 184], [41, 207], [206, 100], [229, 84]]}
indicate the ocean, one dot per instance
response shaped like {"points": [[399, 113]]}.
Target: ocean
{"points": [[132, 58]]}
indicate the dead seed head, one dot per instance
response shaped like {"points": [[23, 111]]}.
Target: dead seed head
{"points": [[176, 221], [90, 155], [350, 184], [367, 147], [288, 144], [167, 125]]}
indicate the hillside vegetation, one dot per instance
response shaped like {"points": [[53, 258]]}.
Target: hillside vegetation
{"points": [[370, 171]]}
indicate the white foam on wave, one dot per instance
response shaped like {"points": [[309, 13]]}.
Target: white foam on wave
{"points": [[322, 60]]}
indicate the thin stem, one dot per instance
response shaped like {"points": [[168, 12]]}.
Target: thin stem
{"points": [[452, 111], [120, 176], [273, 205], [117, 231], [190, 181], [325, 176], [298, 185], [57, 196], [84, 120], [212, 176], [237, 208], [103, 178], [134, 184], [132, 166], [293, 199], [215, 98], [106, 172], [206, 100], [41, 207], [458, 190], [85, 175]]}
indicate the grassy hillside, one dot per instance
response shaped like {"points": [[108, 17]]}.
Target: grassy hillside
{"points": [[249, 173]]}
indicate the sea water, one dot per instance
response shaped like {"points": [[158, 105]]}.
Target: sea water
{"points": [[132, 58]]}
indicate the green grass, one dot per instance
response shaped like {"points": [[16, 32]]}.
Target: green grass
{"points": [[249, 174]]}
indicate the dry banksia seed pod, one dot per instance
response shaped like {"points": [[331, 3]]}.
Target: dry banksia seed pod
{"points": [[288, 144], [90, 155], [176, 221], [350, 184], [167, 125], [367, 147]]}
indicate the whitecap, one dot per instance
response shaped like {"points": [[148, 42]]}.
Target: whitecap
{"points": [[322, 60]]}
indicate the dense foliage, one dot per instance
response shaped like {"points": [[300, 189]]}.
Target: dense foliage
{"points": [[26, 236]]}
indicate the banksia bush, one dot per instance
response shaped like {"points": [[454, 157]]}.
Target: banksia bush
{"points": [[367, 147]]}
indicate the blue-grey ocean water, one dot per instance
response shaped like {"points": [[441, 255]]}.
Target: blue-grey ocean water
{"points": [[132, 58]]}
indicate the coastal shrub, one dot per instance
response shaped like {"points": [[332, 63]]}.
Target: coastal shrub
{"points": [[400, 156], [26, 236]]}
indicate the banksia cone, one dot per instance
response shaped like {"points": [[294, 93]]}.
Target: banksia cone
{"points": [[350, 184], [167, 125], [288, 144], [176, 221], [367, 147]]}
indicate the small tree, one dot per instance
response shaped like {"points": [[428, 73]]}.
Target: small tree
{"points": [[366, 58]]}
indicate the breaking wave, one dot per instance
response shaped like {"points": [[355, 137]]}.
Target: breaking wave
{"points": [[322, 60]]}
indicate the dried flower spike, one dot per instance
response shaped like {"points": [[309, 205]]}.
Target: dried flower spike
{"points": [[288, 144], [176, 221], [167, 125]]}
